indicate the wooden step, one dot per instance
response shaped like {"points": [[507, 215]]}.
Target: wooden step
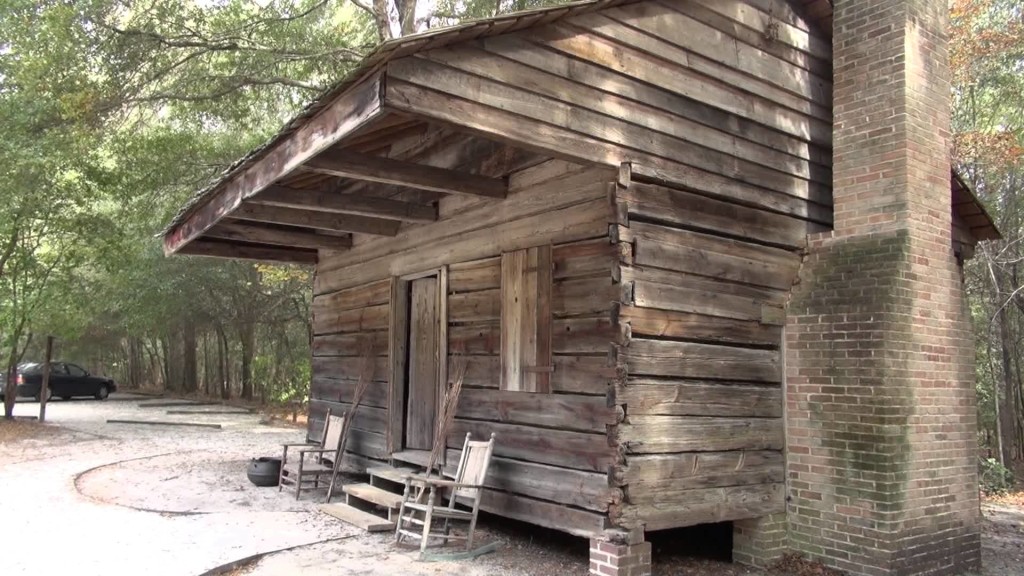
{"points": [[373, 494], [391, 473], [357, 517]]}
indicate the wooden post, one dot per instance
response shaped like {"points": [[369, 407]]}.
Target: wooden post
{"points": [[45, 386]]}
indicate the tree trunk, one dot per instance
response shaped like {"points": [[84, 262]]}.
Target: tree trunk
{"points": [[247, 337], [223, 368], [10, 387], [1004, 393], [188, 359]]}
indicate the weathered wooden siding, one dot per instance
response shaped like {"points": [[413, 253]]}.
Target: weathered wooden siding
{"points": [[728, 109], [702, 89], [552, 455], [701, 367], [552, 447]]}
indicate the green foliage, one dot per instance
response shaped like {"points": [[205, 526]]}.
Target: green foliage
{"points": [[115, 113], [995, 478]]}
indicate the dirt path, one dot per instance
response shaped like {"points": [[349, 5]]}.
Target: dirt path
{"points": [[107, 499]]}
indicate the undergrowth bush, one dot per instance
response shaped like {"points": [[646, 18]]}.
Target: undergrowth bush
{"points": [[995, 478]]}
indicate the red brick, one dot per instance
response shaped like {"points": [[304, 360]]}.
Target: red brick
{"points": [[879, 356]]}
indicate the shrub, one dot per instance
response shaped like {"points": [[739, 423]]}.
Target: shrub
{"points": [[995, 478]]}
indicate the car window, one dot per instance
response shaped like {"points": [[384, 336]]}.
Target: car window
{"points": [[58, 368], [30, 368], [75, 371]]}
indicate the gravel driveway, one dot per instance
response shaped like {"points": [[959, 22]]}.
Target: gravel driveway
{"points": [[96, 498], [87, 497]]}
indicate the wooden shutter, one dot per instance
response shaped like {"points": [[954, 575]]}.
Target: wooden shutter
{"points": [[526, 364]]}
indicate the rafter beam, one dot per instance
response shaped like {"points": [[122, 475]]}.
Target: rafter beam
{"points": [[326, 201], [389, 171], [219, 249], [238, 230], [350, 111], [318, 220]]}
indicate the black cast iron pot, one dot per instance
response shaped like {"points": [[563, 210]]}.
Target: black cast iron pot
{"points": [[264, 471]]}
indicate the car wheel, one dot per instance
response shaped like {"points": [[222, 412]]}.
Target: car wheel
{"points": [[103, 392], [49, 394]]}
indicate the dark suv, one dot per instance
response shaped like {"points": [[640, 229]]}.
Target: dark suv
{"points": [[66, 381]]}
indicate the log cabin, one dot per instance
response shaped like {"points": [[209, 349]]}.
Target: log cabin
{"points": [[653, 228]]}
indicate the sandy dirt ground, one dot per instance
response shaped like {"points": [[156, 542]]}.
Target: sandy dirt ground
{"points": [[95, 498]]}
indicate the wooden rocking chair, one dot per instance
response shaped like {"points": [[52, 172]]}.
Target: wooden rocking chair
{"points": [[324, 458], [468, 484]]}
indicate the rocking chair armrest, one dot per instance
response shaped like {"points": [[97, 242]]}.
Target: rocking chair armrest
{"points": [[442, 483], [294, 444], [318, 451]]}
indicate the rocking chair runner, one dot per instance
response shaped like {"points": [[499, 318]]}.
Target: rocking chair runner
{"points": [[468, 484], [323, 459]]}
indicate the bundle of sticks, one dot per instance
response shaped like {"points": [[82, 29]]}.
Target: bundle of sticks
{"points": [[366, 372], [451, 404]]}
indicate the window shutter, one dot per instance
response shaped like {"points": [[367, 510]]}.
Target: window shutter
{"points": [[526, 364]]}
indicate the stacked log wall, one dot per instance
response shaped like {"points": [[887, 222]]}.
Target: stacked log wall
{"points": [[704, 286], [733, 96]]}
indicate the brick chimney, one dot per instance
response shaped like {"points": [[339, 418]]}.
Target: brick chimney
{"points": [[881, 420]]}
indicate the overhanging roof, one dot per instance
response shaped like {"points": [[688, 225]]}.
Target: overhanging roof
{"points": [[371, 66], [354, 103]]}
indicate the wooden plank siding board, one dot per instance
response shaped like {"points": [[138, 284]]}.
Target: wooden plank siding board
{"points": [[610, 81], [340, 389], [677, 207], [590, 335], [562, 411], [635, 142], [709, 255], [349, 368], [659, 63], [571, 297], [526, 198], [675, 291], [754, 14], [697, 360], [589, 490], [664, 473], [669, 434], [368, 418], [672, 324], [720, 55], [751, 26], [366, 319], [576, 259], [703, 506], [357, 297], [475, 275], [562, 143], [572, 375], [475, 307], [583, 297], [658, 397], [637, 115], [542, 513], [350, 344], [588, 219], [571, 449]]}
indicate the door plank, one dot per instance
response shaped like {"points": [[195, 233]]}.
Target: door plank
{"points": [[423, 357]]}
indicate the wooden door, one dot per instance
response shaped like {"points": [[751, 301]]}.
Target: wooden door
{"points": [[422, 385]]}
